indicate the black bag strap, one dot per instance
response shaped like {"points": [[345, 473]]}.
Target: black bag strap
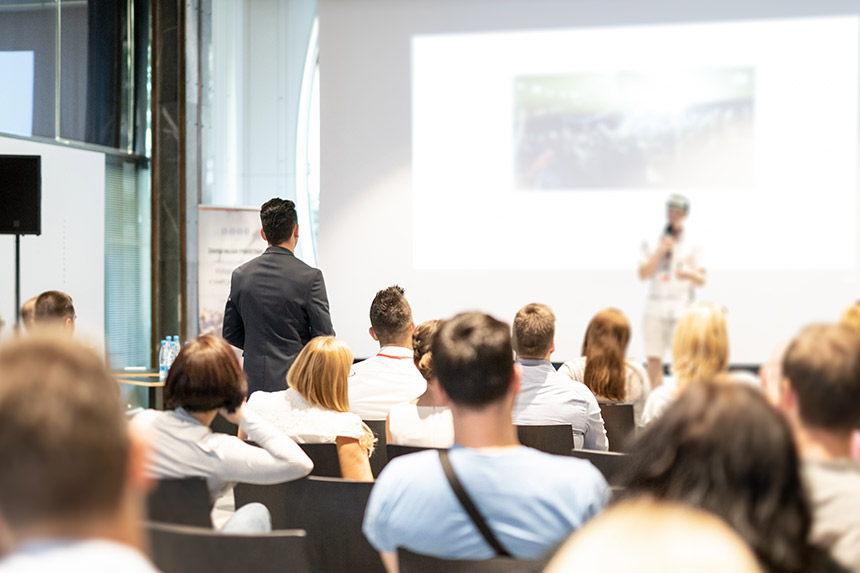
{"points": [[470, 508]]}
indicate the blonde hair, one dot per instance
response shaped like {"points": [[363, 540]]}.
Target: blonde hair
{"points": [[534, 330], [851, 317], [701, 345], [320, 375]]}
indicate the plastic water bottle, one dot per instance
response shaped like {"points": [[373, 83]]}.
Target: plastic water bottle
{"points": [[163, 361], [174, 348]]}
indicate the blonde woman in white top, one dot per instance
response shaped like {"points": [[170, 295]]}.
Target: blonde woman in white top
{"points": [[315, 407], [423, 421]]}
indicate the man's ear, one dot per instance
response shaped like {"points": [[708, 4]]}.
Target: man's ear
{"points": [[263, 234], [373, 334], [787, 398], [138, 454], [296, 231], [439, 394], [515, 379]]}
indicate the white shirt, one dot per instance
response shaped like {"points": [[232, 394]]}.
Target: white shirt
{"points": [[422, 426], [306, 423], [636, 387], [668, 295], [380, 382], [658, 402], [76, 556]]}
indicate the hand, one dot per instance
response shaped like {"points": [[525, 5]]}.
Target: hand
{"points": [[666, 244], [236, 416]]}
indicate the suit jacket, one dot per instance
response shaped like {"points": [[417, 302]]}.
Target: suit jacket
{"points": [[277, 304]]}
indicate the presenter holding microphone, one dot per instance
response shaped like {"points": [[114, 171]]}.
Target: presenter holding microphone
{"points": [[674, 269]]}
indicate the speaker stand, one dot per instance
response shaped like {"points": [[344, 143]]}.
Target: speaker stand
{"points": [[18, 281]]}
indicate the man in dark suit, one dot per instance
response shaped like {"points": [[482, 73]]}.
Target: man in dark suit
{"points": [[277, 303]]}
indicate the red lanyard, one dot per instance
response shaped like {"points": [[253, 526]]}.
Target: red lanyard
{"points": [[394, 357]]}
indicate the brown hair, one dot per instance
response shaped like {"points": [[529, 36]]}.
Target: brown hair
{"points": [[205, 376], [63, 437], [28, 313], [534, 330], [320, 374], [851, 316], [422, 340], [700, 348], [390, 315], [53, 305], [822, 364], [604, 348]]}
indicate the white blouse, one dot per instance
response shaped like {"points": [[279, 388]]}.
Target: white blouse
{"points": [[306, 423], [424, 426], [636, 388]]}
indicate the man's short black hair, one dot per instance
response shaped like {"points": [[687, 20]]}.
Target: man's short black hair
{"points": [[279, 218], [53, 305], [822, 364], [473, 359], [390, 315]]}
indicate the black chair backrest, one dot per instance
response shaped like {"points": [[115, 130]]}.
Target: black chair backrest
{"points": [[416, 563], [180, 501], [185, 549], [380, 455], [396, 450], [619, 424], [219, 424], [324, 457], [610, 464], [557, 439], [331, 510]]}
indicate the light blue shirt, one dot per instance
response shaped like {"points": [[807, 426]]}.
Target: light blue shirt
{"points": [[548, 397], [531, 501]]}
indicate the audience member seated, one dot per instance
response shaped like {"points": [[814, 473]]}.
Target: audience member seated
{"points": [[530, 500], [722, 448], [315, 407], [72, 487], [602, 366], [28, 314], [822, 402], [390, 377], [700, 349], [54, 311], [657, 538], [851, 316], [205, 380], [547, 397], [424, 421]]}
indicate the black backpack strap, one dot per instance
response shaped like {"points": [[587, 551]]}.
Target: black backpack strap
{"points": [[470, 508]]}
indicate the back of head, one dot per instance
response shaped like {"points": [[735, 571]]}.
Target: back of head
{"points": [[278, 217], [473, 359], [534, 331], [822, 364], [605, 347], [851, 316], [205, 376], [28, 313], [321, 371], [657, 538], [63, 437], [390, 315], [53, 307], [422, 340], [700, 348], [722, 448]]}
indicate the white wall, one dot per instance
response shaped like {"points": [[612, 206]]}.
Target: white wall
{"points": [[366, 212], [69, 254]]}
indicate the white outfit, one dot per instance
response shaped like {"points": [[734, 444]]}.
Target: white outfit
{"points": [[380, 382], [668, 295], [658, 402], [834, 494], [423, 426], [306, 423], [636, 386], [183, 447], [76, 556]]}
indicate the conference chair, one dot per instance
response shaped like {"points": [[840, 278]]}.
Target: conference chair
{"points": [[380, 455], [396, 450], [331, 510], [556, 439], [610, 464], [185, 549], [417, 563], [619, 423], [180, 501], [221, 425], [325, 459]]}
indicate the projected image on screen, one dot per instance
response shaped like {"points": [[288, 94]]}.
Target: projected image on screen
{"points": [[632, 129]]}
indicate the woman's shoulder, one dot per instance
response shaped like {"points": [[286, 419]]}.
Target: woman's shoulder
{"points": [[574, 368]]}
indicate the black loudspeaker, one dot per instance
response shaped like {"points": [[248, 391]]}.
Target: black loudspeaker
{"points": [[20, 195]]}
